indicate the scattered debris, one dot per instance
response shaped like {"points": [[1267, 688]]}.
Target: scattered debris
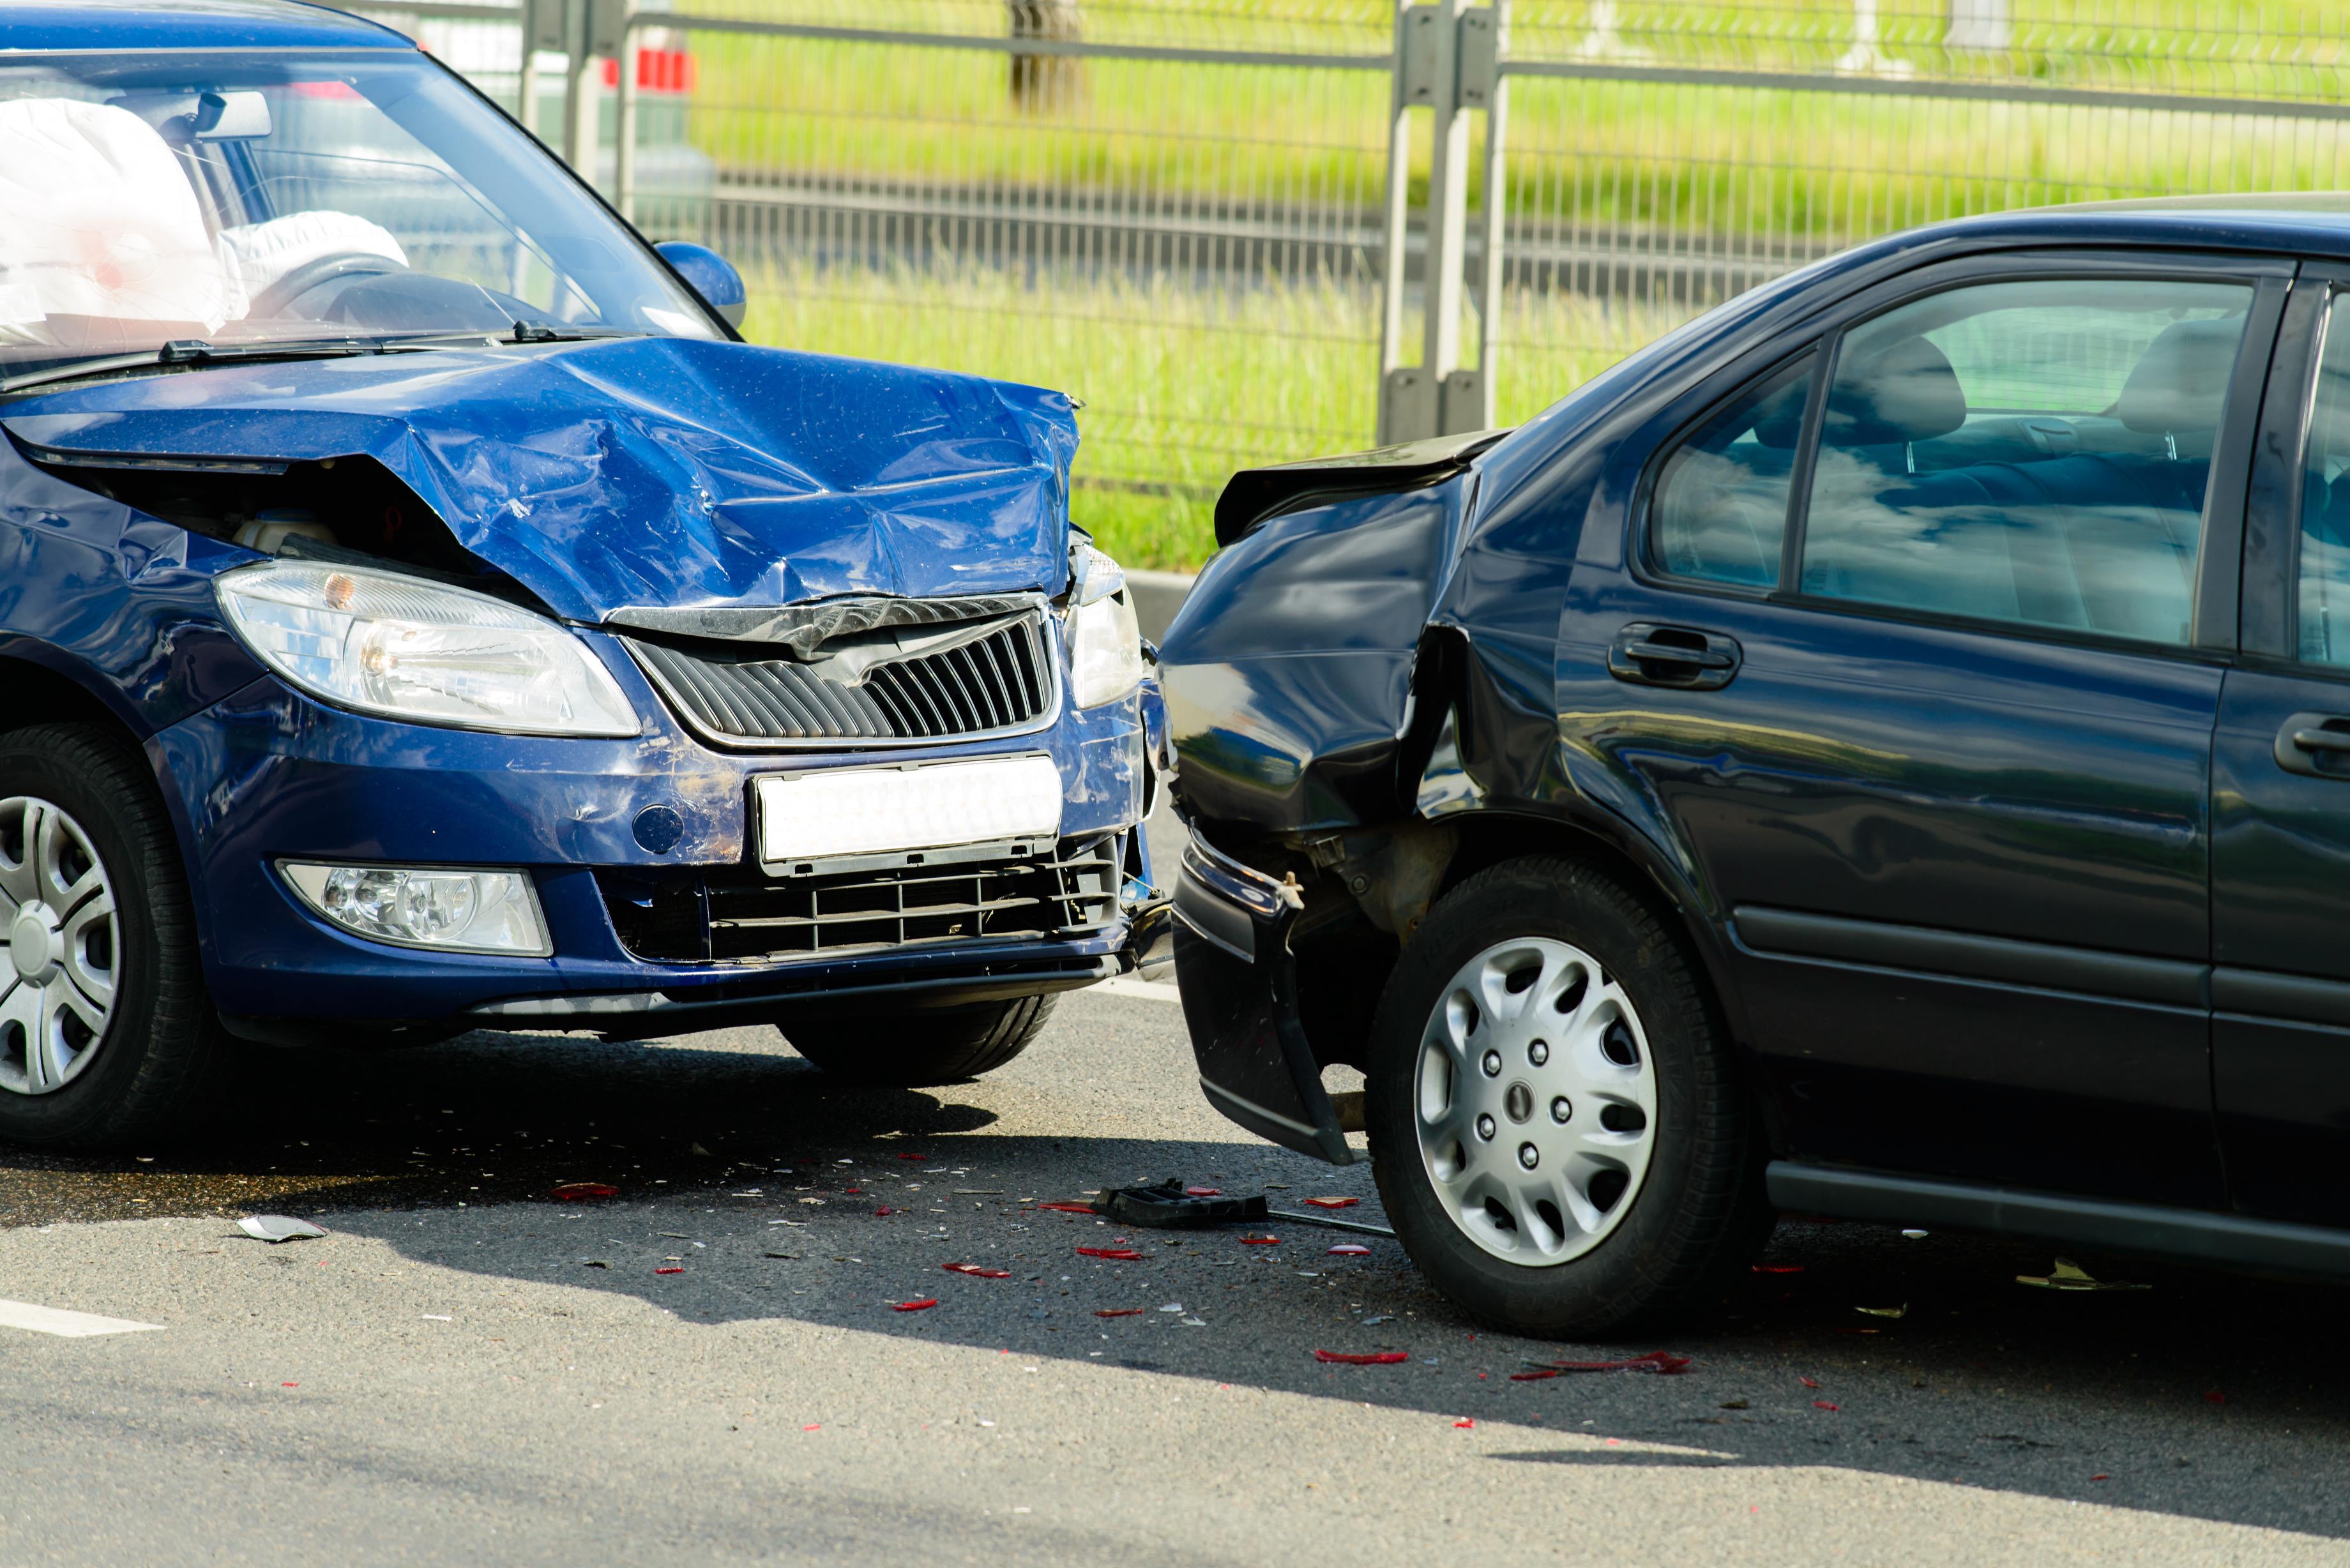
{"points": [[697, 1148], [1734, 1404], [1778, 1268], [2100, 1475], [976, 1271], [1463, 1424], [1807, 1382], [669, 1269], [584, 1191], [1120, 1312], [2068, 1275], [793, 1256], [437, 1317], [883, 1213], [1332, 1202], [1915, 1235], [925, 1304], [1169, 1205], [1658, 1361], [1901, 1311], [1254, 1239], [1372, 1358], [1823, 1405], [913, 1157], [2213, 1397], [1382, 1317], [1086, 1208], [593, 1263], [1350, 1250], [276, 1228], [1115, 1254], [1173, 1307]]}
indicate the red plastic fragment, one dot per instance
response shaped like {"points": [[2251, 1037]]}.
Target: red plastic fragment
{"points": [[1534, 1376], [1116, 1254], [858, 1191], [1120, 1312], [913, 1157], [1658, 1361], [1332, 1202], [1349, 1249], [1070, 1208], [583, 1191], [1808, 1383], [1822, 1405], [883, 1213], [289, 1385], [1260, 1240], [1462, 1423], [1203, 1192], [2215, 1398], [975, 1272], [1375, 1358], [671, 1270], [2100, 1475], [925, 1304], [812, 1426], [1778, 1268]]}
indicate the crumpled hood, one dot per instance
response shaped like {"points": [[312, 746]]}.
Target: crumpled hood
{"points": [[669, 473]]}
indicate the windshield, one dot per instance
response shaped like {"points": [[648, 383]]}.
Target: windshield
{"points": [[150, 198]]}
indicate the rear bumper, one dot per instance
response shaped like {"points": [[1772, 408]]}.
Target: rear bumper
{"points": [[1240, 1001]]}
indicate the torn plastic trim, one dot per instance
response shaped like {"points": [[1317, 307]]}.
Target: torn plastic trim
{"points": [[803, 629], [1240, 1003], [1254, 495]]}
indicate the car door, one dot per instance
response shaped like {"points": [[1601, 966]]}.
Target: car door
{"points": [[2281, 794], [1925, 692]]}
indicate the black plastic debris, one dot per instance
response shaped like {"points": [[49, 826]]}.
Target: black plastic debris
{"points": [[1167, 1207]]}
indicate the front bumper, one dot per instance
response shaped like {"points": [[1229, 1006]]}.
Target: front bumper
{"points": [[268, 775], [1239, 981]]}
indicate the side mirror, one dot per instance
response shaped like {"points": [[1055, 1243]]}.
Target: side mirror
{"points": [[712, 277]]}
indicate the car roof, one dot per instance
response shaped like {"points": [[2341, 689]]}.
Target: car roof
{"points": [[40, 26], [2301, 223]]}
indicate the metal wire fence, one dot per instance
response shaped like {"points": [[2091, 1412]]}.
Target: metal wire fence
{"points": [[1208, 219]]}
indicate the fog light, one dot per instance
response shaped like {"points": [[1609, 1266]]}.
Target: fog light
{"points": [[426, 906]]}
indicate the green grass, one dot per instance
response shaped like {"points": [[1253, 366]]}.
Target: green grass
{"points": [[1180, 387]]}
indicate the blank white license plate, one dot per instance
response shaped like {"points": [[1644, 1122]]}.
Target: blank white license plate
{"points": [[877, 811]]}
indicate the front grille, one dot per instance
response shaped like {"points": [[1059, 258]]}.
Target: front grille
{"points": [[741, 916], [986, 683]]}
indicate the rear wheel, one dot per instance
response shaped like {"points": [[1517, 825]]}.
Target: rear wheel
{"points": [[1556, 1129], [106, 1035], [912, 1048]]}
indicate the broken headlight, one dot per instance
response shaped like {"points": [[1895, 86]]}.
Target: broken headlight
{"points": [[1105, 643], [407, 649]]}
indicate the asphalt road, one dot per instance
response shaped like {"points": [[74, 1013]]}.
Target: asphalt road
{"points": [[467, 1371]]}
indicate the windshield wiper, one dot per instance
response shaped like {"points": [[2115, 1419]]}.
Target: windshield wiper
{"points": [[539, 332], [197, 351]]}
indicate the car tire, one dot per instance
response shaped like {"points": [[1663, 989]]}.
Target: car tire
{"points": [[1556, 1125], [914, 1048], [107, 1036]]}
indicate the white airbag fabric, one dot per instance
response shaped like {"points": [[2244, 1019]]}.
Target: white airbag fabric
{"points": [[259, 255], [99, 221]]}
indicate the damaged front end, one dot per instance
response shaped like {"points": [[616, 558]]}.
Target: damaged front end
{"points": [[1313, 705]]}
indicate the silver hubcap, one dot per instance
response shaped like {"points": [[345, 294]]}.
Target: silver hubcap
{"points": [[1536, 1101], [56, 910]]}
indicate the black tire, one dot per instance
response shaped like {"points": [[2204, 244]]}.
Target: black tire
{"points": [[1698, 1216], [912, 1048], [159, 1060]]}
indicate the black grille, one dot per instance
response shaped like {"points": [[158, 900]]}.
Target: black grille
{"points": [[1000, 679], [740, 915]]}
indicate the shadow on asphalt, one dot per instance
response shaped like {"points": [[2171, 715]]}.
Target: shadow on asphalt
{"points": [[2207, 1396]]}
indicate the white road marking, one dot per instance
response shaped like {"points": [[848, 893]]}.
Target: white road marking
{"points": [[68, 1325], [1149, 990]]}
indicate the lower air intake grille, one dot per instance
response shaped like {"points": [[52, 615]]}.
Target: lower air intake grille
{"points": [[750, 917], [943, 689]]}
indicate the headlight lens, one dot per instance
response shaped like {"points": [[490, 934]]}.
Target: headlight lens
{"points": [[1105, 643], [388, 644], [422, 907]]}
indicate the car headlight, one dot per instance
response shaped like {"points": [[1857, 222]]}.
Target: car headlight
{"points": [[1105, 643], [407, 649]]}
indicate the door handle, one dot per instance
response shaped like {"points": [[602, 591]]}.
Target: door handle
{"points": [[2315, 745], [1648, 654]]}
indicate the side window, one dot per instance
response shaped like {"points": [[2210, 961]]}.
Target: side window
{"points": [[2034, 452], [1719, 507], [2325, 503]]}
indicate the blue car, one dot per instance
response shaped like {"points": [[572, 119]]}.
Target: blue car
{"points": [[419, 610], [1881, 751]]}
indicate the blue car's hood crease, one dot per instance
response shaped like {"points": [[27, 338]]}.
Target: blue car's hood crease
{"points": [[648, 472]]}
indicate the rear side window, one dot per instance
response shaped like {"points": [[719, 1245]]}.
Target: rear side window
{"points": [[2035, 452], [1719, 507], [2325, 503]]}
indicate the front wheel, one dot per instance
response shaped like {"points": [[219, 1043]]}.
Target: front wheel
{"points": [[106, 1035], [1555, 1126], [912, 1048]]}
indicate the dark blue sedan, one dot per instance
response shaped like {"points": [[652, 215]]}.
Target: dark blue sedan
{"points": [[419, 611], [1881, 751]]}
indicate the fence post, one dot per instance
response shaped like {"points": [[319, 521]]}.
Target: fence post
{"points": [[624, 154], [1445, 59]]}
